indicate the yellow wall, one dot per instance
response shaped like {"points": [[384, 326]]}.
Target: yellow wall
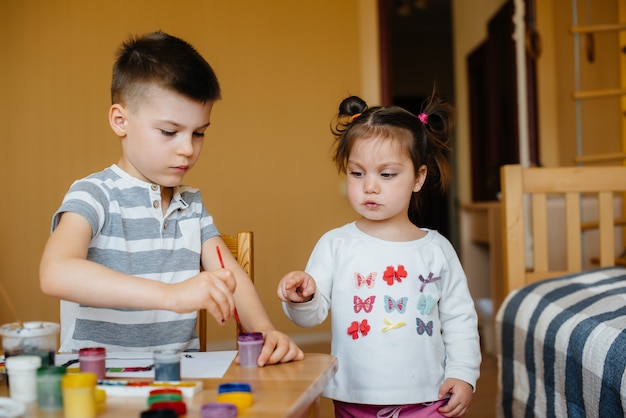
{"points": [[284, 66]]}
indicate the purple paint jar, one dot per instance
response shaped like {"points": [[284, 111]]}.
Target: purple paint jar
{"points": [[250, 345], [218, 410], [93, 359]]}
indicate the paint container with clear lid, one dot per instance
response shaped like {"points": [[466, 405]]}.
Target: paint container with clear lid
{"points": [[34, 338]]}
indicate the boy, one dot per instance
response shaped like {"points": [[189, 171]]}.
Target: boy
{"points": [[127, 243]]}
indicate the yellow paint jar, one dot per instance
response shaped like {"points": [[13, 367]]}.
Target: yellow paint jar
{"points": [[79, 399]]}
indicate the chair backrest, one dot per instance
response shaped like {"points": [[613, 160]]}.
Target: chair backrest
{"points": [[242, 248], [525, 223]]}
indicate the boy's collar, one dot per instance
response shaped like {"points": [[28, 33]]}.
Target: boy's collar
{"points": [[147, 185]]}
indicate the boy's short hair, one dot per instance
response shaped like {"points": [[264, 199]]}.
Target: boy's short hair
{"points": [[165, 61]]}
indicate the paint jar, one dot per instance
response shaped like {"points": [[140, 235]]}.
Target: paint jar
{"points": [[167, 365], [79, 400], [22, 372], [218, 410], [31, 338], [49, 395], [93, 359], [250, 345]]}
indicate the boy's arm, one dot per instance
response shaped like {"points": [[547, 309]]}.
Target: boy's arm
{"points": [[278, 347], [66, 273]]}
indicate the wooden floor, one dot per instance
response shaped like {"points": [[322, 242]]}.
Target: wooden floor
{"points": [[483, 405]]}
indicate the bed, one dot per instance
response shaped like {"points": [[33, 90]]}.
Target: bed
{"points": [[561, 330]]}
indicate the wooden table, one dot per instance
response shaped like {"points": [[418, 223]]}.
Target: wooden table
{"points": [[289, 390]]}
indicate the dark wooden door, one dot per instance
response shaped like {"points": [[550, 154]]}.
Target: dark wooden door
{"points": [[493, 106]]}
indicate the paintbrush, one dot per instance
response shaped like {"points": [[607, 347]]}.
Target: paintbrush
{"points": [[219, 255]]}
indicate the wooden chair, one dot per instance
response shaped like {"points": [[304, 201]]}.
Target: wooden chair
{"points": [[241, 246], [601, 182]]}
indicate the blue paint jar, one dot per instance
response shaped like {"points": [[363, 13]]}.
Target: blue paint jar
{"points": [[167, 365]]}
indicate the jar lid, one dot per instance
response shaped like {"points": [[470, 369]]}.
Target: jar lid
{"points": [[79, 380], [159, 413], [51, 370], [178, 406], [164, 397], [165, 390], [218, 410], [250, 336], [92, 351], [167, 355], [29, 329], [22, 363], [234, 387], [10, 408]]}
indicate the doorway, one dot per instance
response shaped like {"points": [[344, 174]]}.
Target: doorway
{"points": [[417, 54]]}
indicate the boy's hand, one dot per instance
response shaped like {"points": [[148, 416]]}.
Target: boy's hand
{"points": [[461, 397], [297, 287], [278, 348], [212, 290]]}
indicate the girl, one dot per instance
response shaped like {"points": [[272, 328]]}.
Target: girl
{"points": [[404, 327]]}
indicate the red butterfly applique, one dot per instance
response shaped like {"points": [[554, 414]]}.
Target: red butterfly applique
{"points": [[368, 280], [390, 274], [355, 327], [366, 304]]}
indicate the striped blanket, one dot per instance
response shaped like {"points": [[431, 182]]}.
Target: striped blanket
{"points": [[561, 347]]}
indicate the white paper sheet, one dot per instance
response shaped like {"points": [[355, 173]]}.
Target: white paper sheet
{"points": [[193, 365]]}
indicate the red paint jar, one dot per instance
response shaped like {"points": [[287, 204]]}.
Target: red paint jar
{"points": [[93, 359]]}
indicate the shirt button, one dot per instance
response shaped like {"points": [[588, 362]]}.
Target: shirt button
{"points": [[155, 204], [155, 187], [165, 225]]}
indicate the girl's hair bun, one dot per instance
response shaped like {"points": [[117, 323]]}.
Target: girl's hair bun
{"points": [[351, 106]]}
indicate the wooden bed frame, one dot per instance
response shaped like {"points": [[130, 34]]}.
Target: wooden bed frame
{"points": [[525, 224], [559, 342]]}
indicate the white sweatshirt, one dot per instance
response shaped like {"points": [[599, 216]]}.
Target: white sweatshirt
{"points": [[403, 319]]}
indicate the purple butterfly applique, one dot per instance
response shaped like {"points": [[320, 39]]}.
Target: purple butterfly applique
{"points": [[424, 327]]}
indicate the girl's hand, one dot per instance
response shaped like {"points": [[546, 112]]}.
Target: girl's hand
{"points": [[278, 348], [461, 397], [212, 290], [296, 287]]}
